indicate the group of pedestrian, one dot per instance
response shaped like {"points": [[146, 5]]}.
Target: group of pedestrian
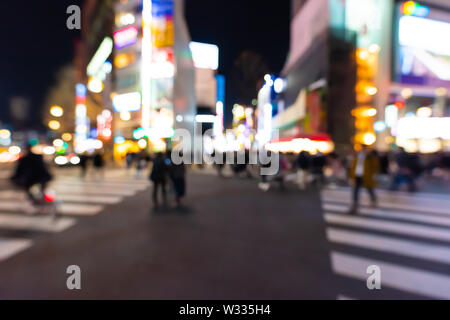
{"points": [[96, 161], [165, 169]]}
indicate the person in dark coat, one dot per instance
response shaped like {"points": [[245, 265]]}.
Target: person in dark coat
{"points": [[30, 171], [99, 164], [408, 168], [84, 164], [159, 178], [178, 177], [303, 165]]}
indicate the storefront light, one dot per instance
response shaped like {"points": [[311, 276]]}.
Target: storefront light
{"points": [[374, 48], [5, 134], [379, 126], [14, 150], [95, 85], [125, 116], [54, 125], [67, 137], [406, 93], [369, 139], [371, 91], [424, 112], [58, 143], [142, 143], [56, 111], [440, 92]]}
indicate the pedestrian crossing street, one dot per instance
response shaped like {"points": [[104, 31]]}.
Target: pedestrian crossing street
{"points": [[76, 198], [410, 232]]}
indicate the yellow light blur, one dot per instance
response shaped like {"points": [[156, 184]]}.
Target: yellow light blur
{"points": [[369, 139], [14, 150], [123, 60], [239, 112], [371, 91], [364, 112], [363, 54], [125, 116], [424, 112], [372, 112], [407, 93], [142, 143], [429, 145], [95, 85], [374, 48], [67, 137], [299, 145], [58, 143], [56, 111], [441, 92], [5, 134], [54, 125]]}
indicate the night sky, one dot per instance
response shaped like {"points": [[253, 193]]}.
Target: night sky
{"points": [[36, 42]]}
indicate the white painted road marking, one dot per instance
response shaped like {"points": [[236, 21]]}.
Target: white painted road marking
{"points": [[387, 244], [11, 247], [35, 223], [389, 226], [423, 283]]}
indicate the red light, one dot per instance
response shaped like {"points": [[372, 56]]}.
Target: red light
{"points": [[49, 197], [400, 105]]}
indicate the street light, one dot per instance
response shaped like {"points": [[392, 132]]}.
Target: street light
{"points": [[57, 111], [67, 137], [54, 125]]}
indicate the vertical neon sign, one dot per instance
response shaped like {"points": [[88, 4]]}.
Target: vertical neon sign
{"points": [[81, 128], [147, 51]]}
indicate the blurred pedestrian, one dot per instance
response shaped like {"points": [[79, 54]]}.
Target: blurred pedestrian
{"points": [[303, 165], [264, 163], [99, 164], [283, 171], [129, 159], [141, 162], [363, 170], [318, 163], [84, 161], [159, 178], [220, 158], [178, 177], [30, 171], [408, 168]]}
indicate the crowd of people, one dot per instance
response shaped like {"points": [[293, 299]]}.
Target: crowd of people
{"points": [[362, 169]]}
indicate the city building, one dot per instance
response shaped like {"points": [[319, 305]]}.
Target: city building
{"points": [[154, 91], [364, 73]]}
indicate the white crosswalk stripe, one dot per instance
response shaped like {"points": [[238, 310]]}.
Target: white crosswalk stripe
{"points": [[11, 247], [76, 198], [405, 226]]}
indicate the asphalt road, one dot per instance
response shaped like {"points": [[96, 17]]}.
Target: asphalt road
{"points": [[231, 241]]}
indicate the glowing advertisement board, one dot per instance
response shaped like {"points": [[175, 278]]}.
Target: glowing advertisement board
{"points": [[423, 56], [162, 23]]}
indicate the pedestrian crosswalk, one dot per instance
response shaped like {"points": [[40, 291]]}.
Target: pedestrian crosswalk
{"points": [[410, 232], [77, 198]]}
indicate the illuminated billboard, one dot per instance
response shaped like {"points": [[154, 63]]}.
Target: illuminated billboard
{"points": [[423, 56], [127, 102], [205, 56], [162, 23], [126, 37]]}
